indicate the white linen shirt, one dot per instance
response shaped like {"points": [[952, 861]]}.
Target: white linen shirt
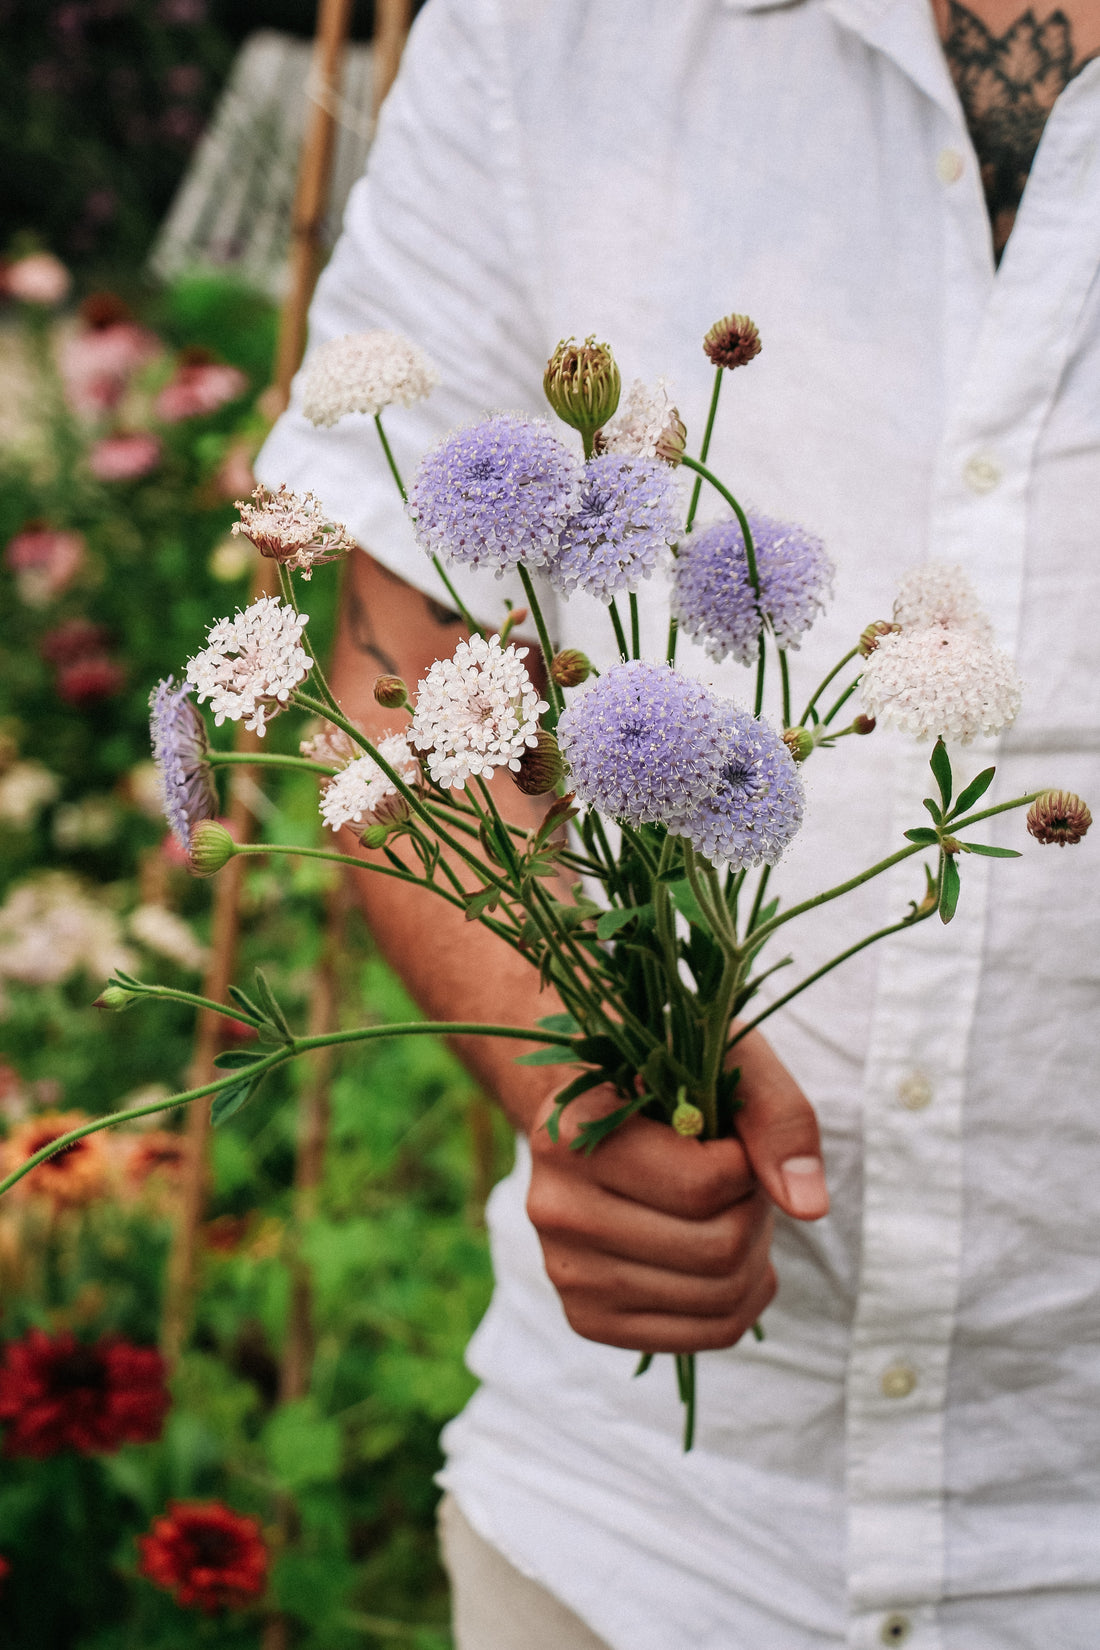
{"points": [[912, 1455]]}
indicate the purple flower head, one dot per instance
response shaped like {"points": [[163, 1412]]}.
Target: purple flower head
{"points": [[626, 517], [495, 494], [179, 750], [715, 602], [643, 742], [756, 808]]}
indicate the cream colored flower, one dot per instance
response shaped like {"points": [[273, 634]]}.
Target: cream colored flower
{"points": [[364, 372]]}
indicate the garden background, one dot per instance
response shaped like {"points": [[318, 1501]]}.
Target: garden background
{"points": [[129, 412]]}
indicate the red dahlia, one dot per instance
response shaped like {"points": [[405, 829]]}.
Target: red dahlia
{"points": [[208, 1556], [59, 1393]]}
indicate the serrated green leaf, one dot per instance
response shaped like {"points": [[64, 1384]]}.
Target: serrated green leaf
{"points": [[487, 900], [949, 888], [992, 853], [558, 1022], [555, 1055], [271, 1010], [923, 835], [940, 763], [611, 921], [235, 1059], [976, 788]]}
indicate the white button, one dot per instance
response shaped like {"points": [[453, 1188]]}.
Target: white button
{"points": [[915, 1091], [949, 165], [898, 1381], [982, 473], [895, 1629]]}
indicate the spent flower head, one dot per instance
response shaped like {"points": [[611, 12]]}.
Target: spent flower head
{"points": [[643, 742], [1058, 817], [363, 794], [495, 494], [362, 373], [646, 425], [756, 807], [732, 342], [582, 383], [475, 712], [626, 518], [180, 751], [295, 531], [252, 663], [713, 598]]}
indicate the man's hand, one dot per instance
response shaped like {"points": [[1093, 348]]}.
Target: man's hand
{"points": [[662, 1244]]}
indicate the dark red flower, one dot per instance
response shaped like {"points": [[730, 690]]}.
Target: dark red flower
{"points": [[73, 640], [86, 681], [209, 1557], [58, 1393], [5, 1568]]}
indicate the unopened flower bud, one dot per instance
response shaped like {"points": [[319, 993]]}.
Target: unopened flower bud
{"points": [[211, 848], [391, 692], [375, 836], [392, 811], [863, 724], [116, 997], [732, 342], [540, 766], [582, 384], [1058, 816], [688, 1120], [673, 438], [570, 667], [800, 743], [869, 638]]}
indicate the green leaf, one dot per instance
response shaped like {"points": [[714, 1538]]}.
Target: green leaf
{"points": [[555, 1055], [975, 789], [600, 1051], [301, 1446], [766, 913], [682, 895], [611, 921], [487, 900], [991, 853], [940, 763], [247, 1007], [236, 1059], [949, 888], [558, 1022], [589, 1135], [923, 835], [934, 810], [271, 1010], [228, 1101]]}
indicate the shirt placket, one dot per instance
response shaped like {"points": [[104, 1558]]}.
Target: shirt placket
{"points": [[1006, 345]]}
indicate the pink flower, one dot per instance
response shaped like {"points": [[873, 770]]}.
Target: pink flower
{"points": [[98, 363], [124, 457], [199, 387], [88, 680], [39, 278], [75, 639], [45, 560]]}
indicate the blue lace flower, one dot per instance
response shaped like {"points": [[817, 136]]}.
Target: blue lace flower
{"points": [[180, 747], [715, 603], [627, 516], [495, 494], [756, 808], [643, 742]]}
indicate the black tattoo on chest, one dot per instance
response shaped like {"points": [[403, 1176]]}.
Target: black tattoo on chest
{"points": [[1007, 85]]}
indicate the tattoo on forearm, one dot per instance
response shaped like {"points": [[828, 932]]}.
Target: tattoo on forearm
{"points": [[1007, 85], [361, 631]]}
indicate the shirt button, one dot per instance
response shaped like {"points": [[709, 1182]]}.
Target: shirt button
{"points": [[949, 165], [895, 1629], [982, 473], [915, 1091], [898, 1381]]}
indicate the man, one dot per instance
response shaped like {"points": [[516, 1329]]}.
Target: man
{"points": [[911, 1455]]}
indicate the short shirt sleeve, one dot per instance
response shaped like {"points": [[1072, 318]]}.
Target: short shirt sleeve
{"points": [[433, 247]]}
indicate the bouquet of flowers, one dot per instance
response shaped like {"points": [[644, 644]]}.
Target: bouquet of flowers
{"points": [[643, 897]]}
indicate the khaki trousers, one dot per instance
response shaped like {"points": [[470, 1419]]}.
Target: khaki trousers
{"points": [[494, 1607]]}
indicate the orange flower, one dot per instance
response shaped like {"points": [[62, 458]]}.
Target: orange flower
{"points": [[157, 1155], [75, 1176]]}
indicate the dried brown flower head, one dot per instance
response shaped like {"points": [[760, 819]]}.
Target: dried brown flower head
{"points": [[732, 342], [1058, 816]]}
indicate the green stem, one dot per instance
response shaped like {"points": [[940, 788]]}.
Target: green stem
{"points": [[1001, 808], [840, 703], [553, 691], [758, 902], [460, 608], [620, 634], [704, 449], [261, 759], [390, 460], [635, 628], [742, 519], [785, 682], [768, 929], [821, 686], [761, 665]]}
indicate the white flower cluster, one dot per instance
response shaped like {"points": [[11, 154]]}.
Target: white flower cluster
{"points": [[166, 933], [25, 789], [646, 425], [940, 676], [361, 790], [292, 529], [251, 664], [50, 928], [476, 712], [364, 372]]}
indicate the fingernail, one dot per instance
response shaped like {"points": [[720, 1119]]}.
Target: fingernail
{"points": [[804, 1184]]}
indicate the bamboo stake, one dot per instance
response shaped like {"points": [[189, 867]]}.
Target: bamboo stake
{"points": [[333, 22], [391, 26]]}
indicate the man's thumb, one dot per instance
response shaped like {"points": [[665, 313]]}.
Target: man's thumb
{"points": [[778, 1128]]}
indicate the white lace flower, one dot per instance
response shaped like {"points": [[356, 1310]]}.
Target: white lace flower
{"points": [[251, 664], [164, 931], [294, 531], [938, 594], [476, 712], [646, 425], [941, 682], [363, 372], [357, 793]]}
